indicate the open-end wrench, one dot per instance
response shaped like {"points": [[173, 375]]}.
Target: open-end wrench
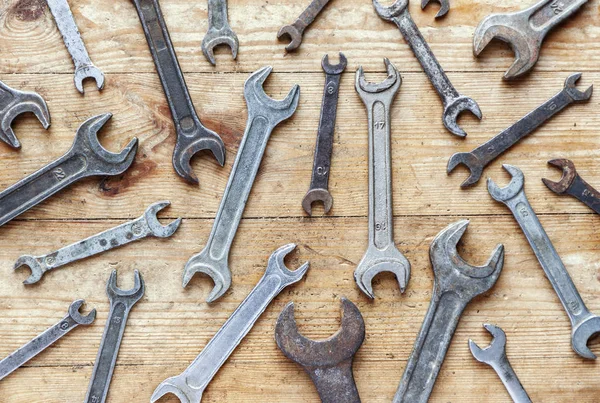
{"points": [[142, 227], [219, 31], [296, 30], [46, 339], [13, 103], [84, 68], [483, 155], [585, 325], [572, 184], [86, 158], [495, 356], [192, 136], [444, 7], [121, 303], [264, 114], [454, 103], [382, 253], [456, 283], [524, 31], [319, 184], [191, 383], [327, 362]]}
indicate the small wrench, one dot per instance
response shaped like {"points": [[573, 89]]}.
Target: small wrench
{"points": [[86, 158], [192, 136], [382, 254], [454, 103], [219, 31], [121, 303], [495, 356], [46, 339], [190, 385], [264, 114], [456, 283], [296, 30], [84, 68], [524, 31], [146, 225], [483, 155], [327, 362], [573, 184], [585, 325], [319, 184], [444, 7]]}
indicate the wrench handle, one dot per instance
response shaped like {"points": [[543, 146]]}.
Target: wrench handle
{"points": [[217, 14], [68, 28], [337, 382], [547, 14], [585, 193], [309, 14], [510, 380]]}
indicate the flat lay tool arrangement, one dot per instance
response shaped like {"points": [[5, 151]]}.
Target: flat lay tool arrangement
{"points": [[214, 300]]}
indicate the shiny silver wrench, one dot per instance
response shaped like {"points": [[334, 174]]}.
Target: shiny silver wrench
{"points": [[219, 31]]}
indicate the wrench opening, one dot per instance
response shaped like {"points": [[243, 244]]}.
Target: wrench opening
{"points": [[568, 176], [444, 6], [88, 72]]}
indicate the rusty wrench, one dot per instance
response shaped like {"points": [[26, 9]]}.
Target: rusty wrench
{"points": [[444, 7], [573, 184], [219, 31], [296, 30]]}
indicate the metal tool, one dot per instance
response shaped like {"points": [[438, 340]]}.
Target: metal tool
{"points": [[444, 7], [456, 283], [327, 362], [219, 31], [121, 303], [524, 31], [483, 155], [46, 339], [84, 68], [190, 385], [264, 114], [192, 136], [86, 158], [585, 325], [145, 226], [13, 103], [454, 103], [574, 185], [382, 254], [296, 30], [319, 184], [495, 356]]}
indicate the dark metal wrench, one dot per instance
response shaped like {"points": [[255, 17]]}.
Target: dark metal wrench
{"points": [[573, 184], [219, 31], [327, 362], [86, 158], [585, 325], [192, 136], [483, 155], [444, 7], [121, 303], [46, 339], [456, 283], [454, 103], [319, 184], [296, 30]]}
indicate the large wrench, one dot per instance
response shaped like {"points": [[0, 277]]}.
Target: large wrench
{"points": [[219, 31], [574, 185], [192, 136], [454, 103], [264, 114], [86, 158], [191, 383], [84, 68], [296, 30], [382, 253], [524, 31], [142, 227], [444, 7], [585, 325], [483, 155], [456, 283]]}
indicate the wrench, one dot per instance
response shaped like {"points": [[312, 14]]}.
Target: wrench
{"points": [[13, 103], [46, 339], [456, 283], [483, 155], [524, 31], [190, 384], [86, 158], [585, 325], [382, 254], [296, 30], [327, 362], [84, 68], [192, 136], [454, 103], [573, 184], [219, 31], [495, 356], [264, 114], [121, 303], [319, 184], [444, 7], [146, 225]]}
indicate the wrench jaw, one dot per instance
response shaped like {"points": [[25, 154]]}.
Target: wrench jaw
{"points": [[584, 332], [156, 228], [568, 176], [177, 386], [471, 162], [37, 267], [127, 297], [334, 69], [391, 12], [88, 71], [378, 261], [278, 111], [217, 270], [444, 7], [492, 352], [217, 37], [508, 192], [314, 195], [455, 108], [293, 33], [576, 95], [78, 317], [276, 266], [364, 88]]}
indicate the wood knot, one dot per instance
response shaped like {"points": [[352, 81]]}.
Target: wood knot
{"points": [[28, 10]]}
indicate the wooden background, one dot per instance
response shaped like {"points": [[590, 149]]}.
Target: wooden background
{"points": [[171, 325]]}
